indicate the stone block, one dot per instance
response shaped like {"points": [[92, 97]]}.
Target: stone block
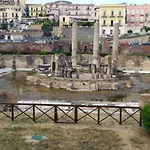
{"points": [[144, 99]]}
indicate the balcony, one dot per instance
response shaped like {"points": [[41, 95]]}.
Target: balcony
{"points": [[111, 25], [132, 14], [104, 25], [104, 16], [120, 16], [112, 16]]}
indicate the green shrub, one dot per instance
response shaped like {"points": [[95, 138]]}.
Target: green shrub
{"points": [[145, 115]]}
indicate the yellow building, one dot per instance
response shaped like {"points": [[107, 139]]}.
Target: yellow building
{"points": [[36, 10], [108, 15]]}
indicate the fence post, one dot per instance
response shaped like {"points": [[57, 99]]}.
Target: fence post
{"points": [[75, 114], [140, 123], [98, 115], [34, 112], [55, 114], [12, 112], [120, 120]]}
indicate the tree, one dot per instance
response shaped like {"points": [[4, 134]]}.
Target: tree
{"points": [[4, 26], [130, 31], [146, 29], [146, 117]]}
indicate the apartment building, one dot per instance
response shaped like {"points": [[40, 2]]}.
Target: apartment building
{"points": [[66, 12], [109, 14], [35, 10], [11, 10], [136, 16]]}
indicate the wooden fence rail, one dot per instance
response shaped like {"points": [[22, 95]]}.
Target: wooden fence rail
{"points": [[72, 113]]}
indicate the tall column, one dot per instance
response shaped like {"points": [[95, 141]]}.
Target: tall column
{"points": [[96, 44], [115, 48], [74, 45]]}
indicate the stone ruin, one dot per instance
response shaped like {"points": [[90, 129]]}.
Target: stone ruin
{"points": [[83, 76]]}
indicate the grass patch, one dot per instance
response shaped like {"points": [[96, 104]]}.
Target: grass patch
{"points": [[117, 98]]}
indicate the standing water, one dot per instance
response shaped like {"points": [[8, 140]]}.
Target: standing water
{"points": [[16, 83]]}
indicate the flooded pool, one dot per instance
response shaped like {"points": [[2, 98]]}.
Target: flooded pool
{"points": [[16, 83]]}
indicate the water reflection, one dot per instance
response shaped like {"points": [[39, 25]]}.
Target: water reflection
{"points": [[16, 83]]}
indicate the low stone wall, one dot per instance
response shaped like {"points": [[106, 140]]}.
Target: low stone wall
{"points": [[27, 47], [78, 84]]}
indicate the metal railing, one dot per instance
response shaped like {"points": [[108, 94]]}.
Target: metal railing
{"points": [[68, 113]]}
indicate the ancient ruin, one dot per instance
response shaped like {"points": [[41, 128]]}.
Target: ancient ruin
{"points": [[67, 72]]}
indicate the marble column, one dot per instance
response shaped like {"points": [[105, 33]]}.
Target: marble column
{"points": [[115, 48], [74, 45], [96, 44]]}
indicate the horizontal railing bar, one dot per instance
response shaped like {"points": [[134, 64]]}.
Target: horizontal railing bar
{"points": [[71, 105]]}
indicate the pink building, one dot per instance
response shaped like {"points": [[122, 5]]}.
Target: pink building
{"points": [[136, 16]]}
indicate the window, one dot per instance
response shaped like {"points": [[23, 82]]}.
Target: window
{"points": [[31, 9], [128, 11], [12, 14], [111, 31], [132, 19], [103, 32], [141, 12], [36, 9], [119, 22], [141, 19], [111, 23], [104, 13], [104, 22], [112, 13], [120, 13], [132, 12], [63, 19]]}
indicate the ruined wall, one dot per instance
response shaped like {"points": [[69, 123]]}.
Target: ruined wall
{"points": [[134, 62], [27, 47], [127, 62]]}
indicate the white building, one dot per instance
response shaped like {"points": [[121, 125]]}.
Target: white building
{"points": [[67, 12]]}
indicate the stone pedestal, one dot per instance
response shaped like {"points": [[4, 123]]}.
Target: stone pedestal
{"points": [[144, 99]]}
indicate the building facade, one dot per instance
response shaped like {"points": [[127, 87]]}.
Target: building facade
{"points": [[35, 10], [136, 16], [109, 14], [65, 12], [12, 10]]}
